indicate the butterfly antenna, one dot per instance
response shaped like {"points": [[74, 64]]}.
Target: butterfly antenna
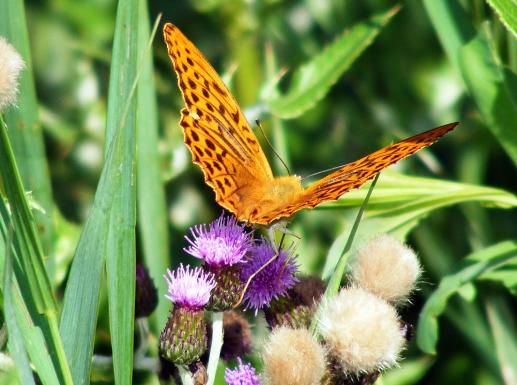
{"points": [[271, 260], [271, 146], [322, 172]]}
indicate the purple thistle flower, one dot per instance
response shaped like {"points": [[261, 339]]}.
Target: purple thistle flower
{"points": [[223, 242], [273, 280], [189, 287], [244, 374]]}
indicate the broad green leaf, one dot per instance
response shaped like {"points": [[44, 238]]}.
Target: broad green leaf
{"points": [[506, 276], [25, 131], [313, 80], [152, 210], [488, 84], [507, 12], [473, 266], [485, 78]]}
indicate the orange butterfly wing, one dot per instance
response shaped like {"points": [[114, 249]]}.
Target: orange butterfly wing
{"points": [[354, 174], [233, 163], [215, 129]]}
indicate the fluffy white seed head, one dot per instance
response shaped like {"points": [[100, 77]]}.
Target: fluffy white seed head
{"points": [[11, 63], [387, 268], [293, 357], [362, 331]]}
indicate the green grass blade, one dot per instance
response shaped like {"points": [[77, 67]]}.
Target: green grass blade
{"points": [[120, 257], [109, 231], [30, 270], [32, 337], [487, 81], [313, 80], [25, 131], [79, 315], [15, 342], [474, 265], [507, 12], [502, 322], [337, 274], [152, 209], [81, 300], [26, 238], [408, 373]]}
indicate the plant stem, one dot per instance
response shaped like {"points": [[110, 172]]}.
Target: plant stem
{"points": [[215, 347]]}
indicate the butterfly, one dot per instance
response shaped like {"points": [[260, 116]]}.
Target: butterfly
{"points": [[234, 165]]}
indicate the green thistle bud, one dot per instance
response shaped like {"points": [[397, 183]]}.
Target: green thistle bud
{"points": [[184, 340], [228, 289]]}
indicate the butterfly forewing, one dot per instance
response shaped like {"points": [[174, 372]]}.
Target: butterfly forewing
{"points": [[215, 130], [355, 174]]}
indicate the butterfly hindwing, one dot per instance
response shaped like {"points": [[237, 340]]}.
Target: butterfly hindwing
{"points": [[355, 174]]}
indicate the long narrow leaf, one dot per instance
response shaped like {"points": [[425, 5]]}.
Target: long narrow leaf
{"points": [[507, 12], [502, 322], [152, 211], [312, 81], [29, 267], [15, 341], [120, 248], [485, 78], [24, 129], [475, 265]]}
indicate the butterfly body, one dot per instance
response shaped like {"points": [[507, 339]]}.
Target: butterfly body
{"points": [[234, 165], [258, 200]]}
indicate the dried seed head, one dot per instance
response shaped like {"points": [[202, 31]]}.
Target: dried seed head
{"points": [[361, 330], [387, 268], [293, 357]]}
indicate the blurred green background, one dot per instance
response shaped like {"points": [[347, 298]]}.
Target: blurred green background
{"points": [[411, 78]]}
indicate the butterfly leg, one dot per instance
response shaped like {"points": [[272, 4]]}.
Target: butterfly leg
{"points": [[280, 226]]}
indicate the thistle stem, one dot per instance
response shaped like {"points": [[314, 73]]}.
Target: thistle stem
{"points": [[215, 347]]}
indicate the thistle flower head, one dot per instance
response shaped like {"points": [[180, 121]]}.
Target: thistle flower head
{"points": [[188, 287], [11, 64], [273, 279], [244, 374], [223, 242]]}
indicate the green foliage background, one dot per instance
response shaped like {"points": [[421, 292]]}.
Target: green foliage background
{"points": [[100, 155]]}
